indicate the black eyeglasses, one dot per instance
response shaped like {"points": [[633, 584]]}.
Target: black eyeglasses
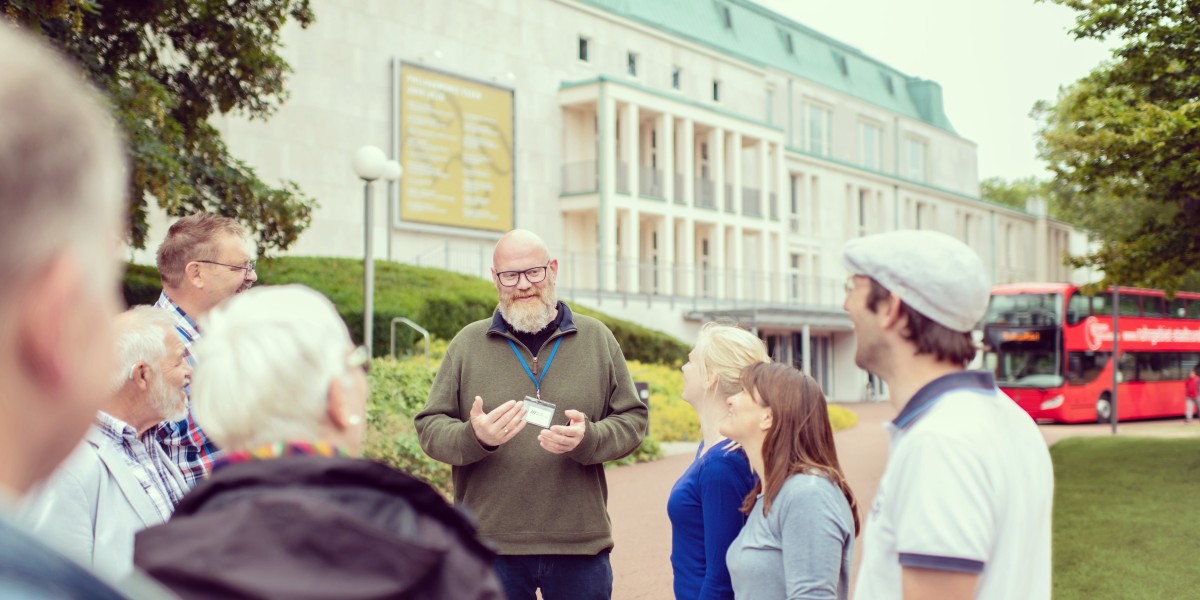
{"points": [[249, 266], [534, 275]]}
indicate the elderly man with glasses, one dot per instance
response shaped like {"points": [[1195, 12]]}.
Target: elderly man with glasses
{"points": [[205, 260], [539, 492]]}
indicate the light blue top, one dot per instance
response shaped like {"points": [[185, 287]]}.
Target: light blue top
{"points": [[803, 548]]}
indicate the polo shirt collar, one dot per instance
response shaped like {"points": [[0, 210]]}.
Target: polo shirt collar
{"points": [[928, 395]]}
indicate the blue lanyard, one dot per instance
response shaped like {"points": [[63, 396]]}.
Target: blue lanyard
{"points": [[537, 381]]}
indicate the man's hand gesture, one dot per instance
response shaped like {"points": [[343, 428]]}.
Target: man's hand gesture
{"points": [[500, 425], [561, 439]]}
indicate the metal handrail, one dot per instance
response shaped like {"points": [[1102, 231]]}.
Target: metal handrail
{"points": [[424, 332]]}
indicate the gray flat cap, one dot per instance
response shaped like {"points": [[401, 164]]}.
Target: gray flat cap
{"points": [[933, 273]]}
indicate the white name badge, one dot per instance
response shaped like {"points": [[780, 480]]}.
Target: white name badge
{"points": [[538, 412]]}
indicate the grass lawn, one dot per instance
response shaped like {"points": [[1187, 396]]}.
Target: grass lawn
{"points": [[1126, 518]]}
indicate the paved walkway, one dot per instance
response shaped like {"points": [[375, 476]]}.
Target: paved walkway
{"points": [[638, 494]]}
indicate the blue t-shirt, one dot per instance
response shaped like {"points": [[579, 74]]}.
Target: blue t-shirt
{"points": [[704, 510]]}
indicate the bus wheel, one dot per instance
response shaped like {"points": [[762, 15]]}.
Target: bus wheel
{"points": [[1104, 408]]}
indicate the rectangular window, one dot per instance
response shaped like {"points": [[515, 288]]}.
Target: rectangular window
{"points": [[1130, 306], [632, 64], [1152, 307], [716, 91], [1177, 309], [818, 130], [870, 148], [676, 75], [915, 160], [583, 48]]}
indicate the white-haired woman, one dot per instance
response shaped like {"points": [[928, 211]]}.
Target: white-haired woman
{"points": [[288, 513], [704, 503]]}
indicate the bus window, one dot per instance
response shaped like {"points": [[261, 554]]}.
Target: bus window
{"points": [[1024, 310], [1177, 309], [1127, 367], [1149, 366], [1193, 308], [1130, 307], [1079, 307], [1085, 367], [1152, 307], [1188, 361], [1171, 370], [1102, 305]]}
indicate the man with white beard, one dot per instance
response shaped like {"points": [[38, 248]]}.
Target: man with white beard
{"points": [[116, 484], [539, 496]]}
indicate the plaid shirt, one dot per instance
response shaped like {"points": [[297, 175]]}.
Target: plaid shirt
{"points": [[184, 442], [147, 461]]}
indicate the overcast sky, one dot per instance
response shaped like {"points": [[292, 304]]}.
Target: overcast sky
{"points": [[993, 58]]}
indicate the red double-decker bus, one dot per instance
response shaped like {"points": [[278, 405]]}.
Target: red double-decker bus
{"points": [[1051, 349]]}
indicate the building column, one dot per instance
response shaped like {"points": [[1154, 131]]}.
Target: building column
{"points": [[735, 156], [630, 253], [764, 180], [806, 348], [629, 134], [716, 160], [666, 256], [666, 137], [688, 167], [768, 274], [737, 262], [687, 283], [717, 254], [781, 183], [606, 267]]}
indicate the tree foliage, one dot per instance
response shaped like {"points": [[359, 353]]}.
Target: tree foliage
{"points": [[168, 67], [1124, 141]]}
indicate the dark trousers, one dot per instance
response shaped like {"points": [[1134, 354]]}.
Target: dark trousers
{"points": [[560, 576]]}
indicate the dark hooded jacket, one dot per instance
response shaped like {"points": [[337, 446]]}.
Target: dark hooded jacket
{"points": [[311, 527]]}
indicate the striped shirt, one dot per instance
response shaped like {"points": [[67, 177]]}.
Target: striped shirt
{"points": [[148, 463], [183, 440]]}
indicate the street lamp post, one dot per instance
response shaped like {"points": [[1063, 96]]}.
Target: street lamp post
{"points": [[370, 163]]}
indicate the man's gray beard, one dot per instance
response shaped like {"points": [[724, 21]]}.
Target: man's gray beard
{"points": [[533, 318], [166, 402]]}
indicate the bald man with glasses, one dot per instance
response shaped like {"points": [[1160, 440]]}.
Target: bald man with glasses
{"points": [[527, 407], [204, 260]]}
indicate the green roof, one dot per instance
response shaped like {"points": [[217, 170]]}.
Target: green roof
{"points": [[767, 39]]}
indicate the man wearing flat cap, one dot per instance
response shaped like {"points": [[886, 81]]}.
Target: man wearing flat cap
{"points": [[963, 509]]}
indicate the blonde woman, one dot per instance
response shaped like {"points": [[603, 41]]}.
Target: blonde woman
{"points": [[704, 503]]}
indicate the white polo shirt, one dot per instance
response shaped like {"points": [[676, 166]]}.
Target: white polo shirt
{"points": [[968, 488]]}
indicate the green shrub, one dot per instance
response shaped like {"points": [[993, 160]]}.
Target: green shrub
{"points": [[440, 301], [140, 285]]}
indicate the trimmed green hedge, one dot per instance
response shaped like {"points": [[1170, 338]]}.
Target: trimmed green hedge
{"points": [[440, 301]]}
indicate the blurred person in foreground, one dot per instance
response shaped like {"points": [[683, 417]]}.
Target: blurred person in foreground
{"points": [[287, 512], [63, 182], [798, 542], [704, 505], [963, 508], [115, 484]]}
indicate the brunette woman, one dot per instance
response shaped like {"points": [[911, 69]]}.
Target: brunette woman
{"points": [[798, 541]]}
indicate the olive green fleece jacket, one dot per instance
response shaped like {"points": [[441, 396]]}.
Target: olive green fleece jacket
{"points": [[527, 500]]}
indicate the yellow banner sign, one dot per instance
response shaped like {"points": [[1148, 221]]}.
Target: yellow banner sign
{"points": [[456, 147]]}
